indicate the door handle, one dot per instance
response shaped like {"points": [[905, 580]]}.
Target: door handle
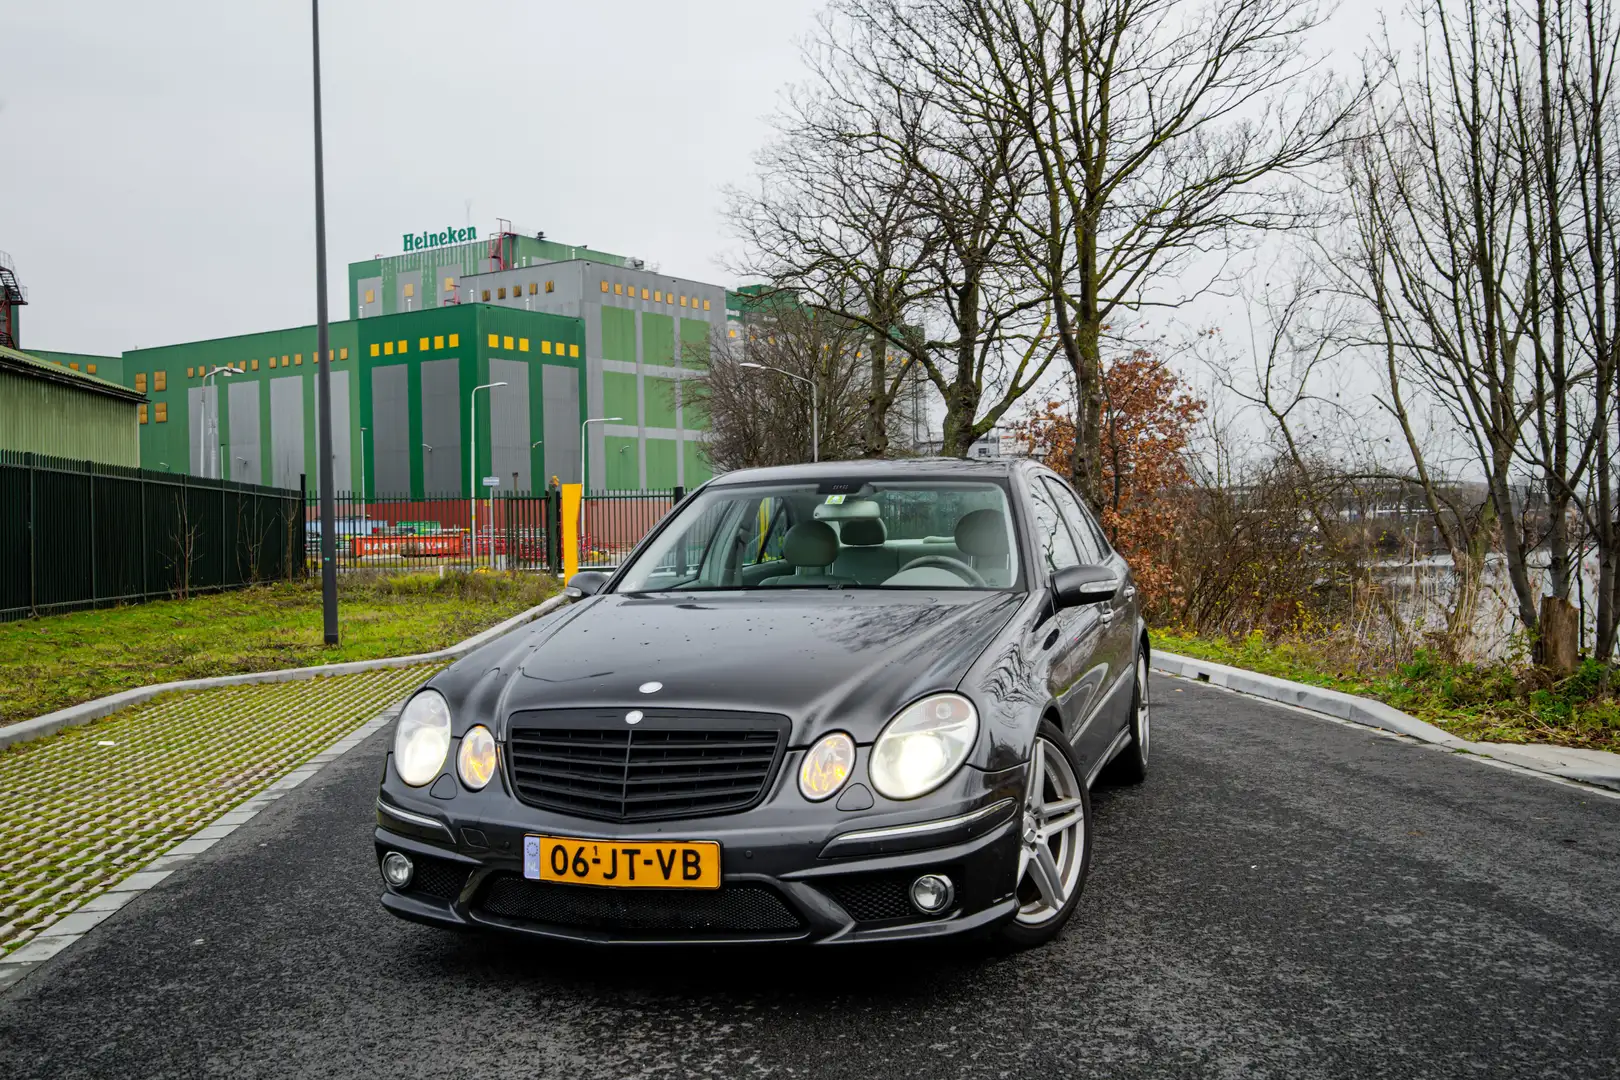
{"points": [[1130, 592], [1106, 615]]}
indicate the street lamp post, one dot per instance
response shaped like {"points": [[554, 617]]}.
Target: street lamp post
{"points": [[584, 478], [202, 451], [815, 434], [323, 364], [365, 509], [472, 468]]}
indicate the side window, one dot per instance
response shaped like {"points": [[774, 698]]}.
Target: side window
{"points": [[1051, 535], [1093, 549], [766, 530]]}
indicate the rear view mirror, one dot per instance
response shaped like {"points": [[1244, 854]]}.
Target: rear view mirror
{"points": [[586, 583], [1074, 586]]}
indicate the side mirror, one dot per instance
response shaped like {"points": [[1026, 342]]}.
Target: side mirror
{"points": [[1075, 586], [585, 583]]}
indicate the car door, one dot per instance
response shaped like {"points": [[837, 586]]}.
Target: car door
{"points": [[1072, 636], [1118, 646]]}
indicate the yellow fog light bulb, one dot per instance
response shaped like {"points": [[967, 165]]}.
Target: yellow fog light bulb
{"points": [[476, 761], [827, 766]]}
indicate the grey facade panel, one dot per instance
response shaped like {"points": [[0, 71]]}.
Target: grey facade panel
{"points": [[374, 286], [442, 292], [390, 432], [441, 427], [342, 459], [287, 432], [202, 406], [509, 423], [560, 387], [413, 302], [246, 462]]}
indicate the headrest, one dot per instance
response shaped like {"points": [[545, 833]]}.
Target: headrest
{"points": [[982, 533], [810, 543], [863, 532]]}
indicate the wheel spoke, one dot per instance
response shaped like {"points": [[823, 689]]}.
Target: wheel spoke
{"points": [[1037, 776], [1023, 865], [1043, 870], [1056, 809], [1059, 825]]}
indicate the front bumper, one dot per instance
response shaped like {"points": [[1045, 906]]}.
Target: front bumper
{"points": [[805, 873]]}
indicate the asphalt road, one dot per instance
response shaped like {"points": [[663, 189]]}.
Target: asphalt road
{"points": [[1285, 897]]}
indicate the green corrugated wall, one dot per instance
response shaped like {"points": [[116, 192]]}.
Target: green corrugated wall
{"points": [[44, 417]]}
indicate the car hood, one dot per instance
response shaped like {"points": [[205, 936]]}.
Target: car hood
{"points": [[827, 659]]}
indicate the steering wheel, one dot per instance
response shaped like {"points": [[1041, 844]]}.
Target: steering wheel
{"points": [[955, 566]]}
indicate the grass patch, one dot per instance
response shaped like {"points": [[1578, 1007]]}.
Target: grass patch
{"points": [[1482, 702], [60, 660]]}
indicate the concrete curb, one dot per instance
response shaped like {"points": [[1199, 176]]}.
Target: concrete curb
{"points": [[74, 715], [1586, 766]]}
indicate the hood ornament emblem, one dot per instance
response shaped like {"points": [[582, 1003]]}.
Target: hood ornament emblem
{"points": [[633, 716], [650, 687]]}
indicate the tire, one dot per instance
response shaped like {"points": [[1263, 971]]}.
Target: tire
{"points": [[1131, 766], [1062, 793]]}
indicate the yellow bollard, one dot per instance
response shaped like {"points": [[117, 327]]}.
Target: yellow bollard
{"points": [[571, 495]]}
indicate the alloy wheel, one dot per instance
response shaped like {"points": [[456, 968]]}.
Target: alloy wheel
{"points": [[1051, 852], [1143, 714]]}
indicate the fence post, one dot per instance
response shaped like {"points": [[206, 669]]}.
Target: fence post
{"points": [[95, 592], [303, 528], [146, 526], [554, 529], [33, 519]]}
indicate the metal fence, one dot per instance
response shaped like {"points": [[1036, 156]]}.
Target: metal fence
{"points": [[77, 534], [514, 530]]}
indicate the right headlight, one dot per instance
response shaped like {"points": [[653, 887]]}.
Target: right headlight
{"points": [[422, 738], [923, 746]]}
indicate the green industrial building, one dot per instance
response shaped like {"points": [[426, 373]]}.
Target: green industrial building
{"points": [[49, 408], [573, 335]]}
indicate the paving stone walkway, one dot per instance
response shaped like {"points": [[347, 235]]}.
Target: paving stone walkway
{"points": [[81, 812]]}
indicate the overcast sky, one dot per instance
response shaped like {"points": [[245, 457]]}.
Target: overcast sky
{"points": [[158, 180]]}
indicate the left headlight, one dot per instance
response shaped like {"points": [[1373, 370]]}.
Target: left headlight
{"points": [[923, 746], [476, 760], [422, 738]]}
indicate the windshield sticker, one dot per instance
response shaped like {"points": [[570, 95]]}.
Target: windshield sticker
{"points": [[835, 500]]}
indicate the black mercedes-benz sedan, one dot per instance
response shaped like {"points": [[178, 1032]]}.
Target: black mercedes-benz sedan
{"points": [[846, 702]]}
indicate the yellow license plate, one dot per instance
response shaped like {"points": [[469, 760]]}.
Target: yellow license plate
{"points": [[629, 864]]}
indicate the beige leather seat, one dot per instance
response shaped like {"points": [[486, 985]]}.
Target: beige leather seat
{"points": [[863, 556], [810, 547]]}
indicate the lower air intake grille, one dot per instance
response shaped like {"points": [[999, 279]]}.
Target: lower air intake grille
{"points": [[735, 908], [671, 763], [874, 897], [438, 877]]}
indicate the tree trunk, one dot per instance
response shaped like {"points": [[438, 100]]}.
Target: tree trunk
{"points": [[877, 404], [1086, 361], [1559, 643]]}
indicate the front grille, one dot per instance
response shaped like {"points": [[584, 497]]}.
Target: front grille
{"points": [[732, 909], [873, 897], [438, 877], [670, 764]]}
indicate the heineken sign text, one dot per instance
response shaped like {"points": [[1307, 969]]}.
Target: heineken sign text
{"points": [[424, 240]]}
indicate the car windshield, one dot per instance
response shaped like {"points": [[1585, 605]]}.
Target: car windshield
{"points": [[878, 535]]}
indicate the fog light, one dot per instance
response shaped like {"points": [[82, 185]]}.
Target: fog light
{"points": [[932, 893], [397, 870]]}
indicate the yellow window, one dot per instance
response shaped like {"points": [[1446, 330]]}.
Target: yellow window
{"points": [[486, 296], [272, 361], [255, 365], [284, 361], [550, 285], [402, 348], [683, 301], [191, 373], [559, 348], [140, 380], [343, 353], [705, 305], [618, 289], [438, 341], [388, 348], [74, 364], [507, 343], [449, 284], [534, 287], [142, 411], [371, 296], [604, 286], [374, 349], [455, 339], [733, 331], [646, 294], [545, 347], [523, 344], [162, 412], [298, 359], [500, 294], [422, 344], [573, 350], [91, 368], [494, 341], [658, 296]]}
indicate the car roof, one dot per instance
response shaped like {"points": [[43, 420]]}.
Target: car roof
{"points": [[876, 469]]}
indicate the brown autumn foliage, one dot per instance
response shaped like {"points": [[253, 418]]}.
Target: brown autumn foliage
{"points": [[1149, 415]]}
